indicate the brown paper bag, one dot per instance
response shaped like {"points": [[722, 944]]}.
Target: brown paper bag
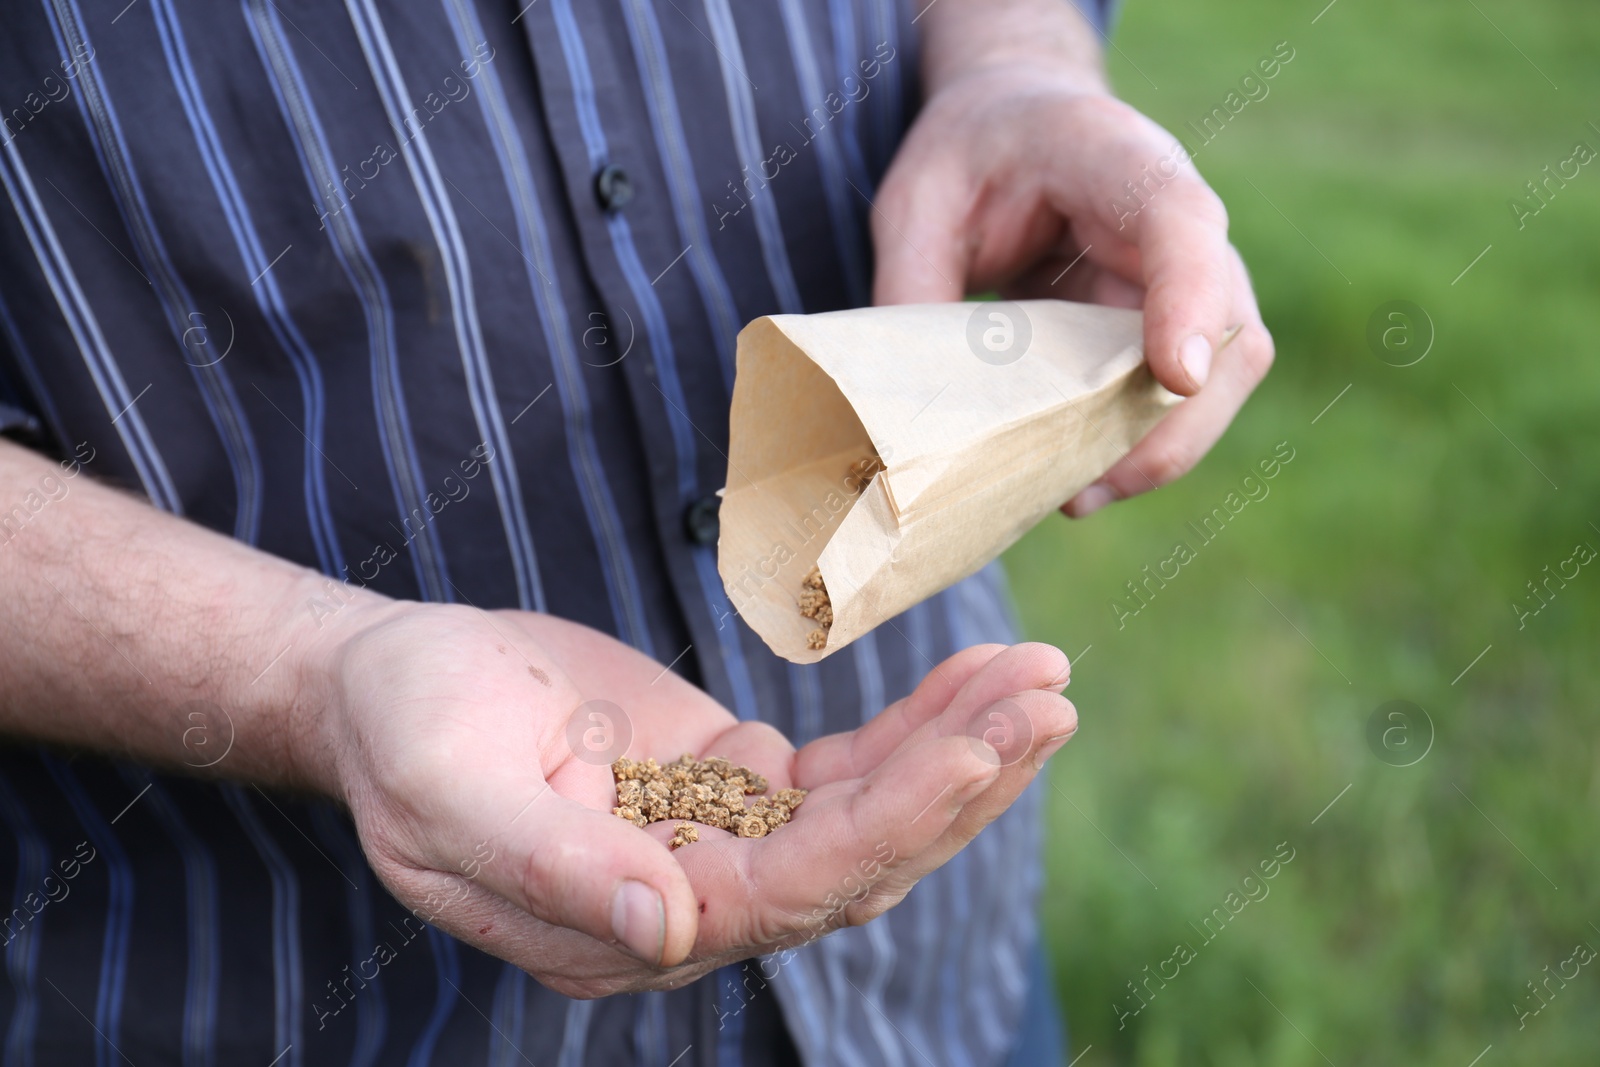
{"points": [[986, 417]]}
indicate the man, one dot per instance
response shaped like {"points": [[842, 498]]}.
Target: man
{"points": [[413, 324]]}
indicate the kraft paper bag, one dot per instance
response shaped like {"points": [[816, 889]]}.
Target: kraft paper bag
{"points": [[980, 419]]}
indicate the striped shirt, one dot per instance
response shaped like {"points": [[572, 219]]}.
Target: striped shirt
{"points": [[440, 297]]}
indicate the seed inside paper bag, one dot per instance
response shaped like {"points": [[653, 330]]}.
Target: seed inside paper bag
{"points": [[861, 472], [814, 602]]}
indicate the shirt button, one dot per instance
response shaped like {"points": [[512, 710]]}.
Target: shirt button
{"points": [[700, 520], [613, 188]]}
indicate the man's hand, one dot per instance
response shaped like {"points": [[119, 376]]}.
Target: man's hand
{"points": [[1014, 178], [450, 733], [462, 742]]}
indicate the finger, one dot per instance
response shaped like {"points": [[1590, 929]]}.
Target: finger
{"points": [[570, 963], [761, 747], [1085, 255], [853, 753], [1108, 247], [567, 961], [853, 850], [1183, 241], [1021, 668], [1009, 716], [917, 239], [796, 882], [587, 870], [1061, 279], [1190, 429], [563, 862], [976, 710], [1051, 722], [1112, 291]]}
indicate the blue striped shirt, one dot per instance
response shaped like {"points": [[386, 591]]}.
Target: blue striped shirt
{"points": [[439, 298]]}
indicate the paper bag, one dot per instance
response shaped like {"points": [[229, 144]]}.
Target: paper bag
{"points": [[986, 417]]}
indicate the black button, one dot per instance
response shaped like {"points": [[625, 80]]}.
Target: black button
{"points": [[700, 520], [613, 187]]}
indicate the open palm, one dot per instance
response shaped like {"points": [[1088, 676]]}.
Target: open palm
{"points": [[473, 750]]}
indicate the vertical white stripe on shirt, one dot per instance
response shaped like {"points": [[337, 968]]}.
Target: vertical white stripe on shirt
{"points": [[202, 914], [214, 383], [23, 944], [434, 198], [254, 263], [80, 318], [683, 187], [287, 976], [576, 1040], [372, 1007], [747, 141], [842, 199], [293, 97], [112, 982], [594, 488]]}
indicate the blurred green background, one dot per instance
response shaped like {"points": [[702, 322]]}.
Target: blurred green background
{"points": [[1224, 717]]}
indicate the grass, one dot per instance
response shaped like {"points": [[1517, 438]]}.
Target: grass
{"points": [[1224, 717]]}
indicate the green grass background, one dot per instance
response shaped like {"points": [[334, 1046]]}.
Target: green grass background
{"points": [[1214, 727]]}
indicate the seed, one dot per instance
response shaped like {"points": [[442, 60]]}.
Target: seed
{"points": [[632, 814], [685, 833], [814, 604], [861, 472], [788, 799]]}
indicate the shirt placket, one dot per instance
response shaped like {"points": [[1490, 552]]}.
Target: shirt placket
{"points": [[601, 136]]}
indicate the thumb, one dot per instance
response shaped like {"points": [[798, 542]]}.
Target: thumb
{"points": [[917, 238], [1183, 242], [586, 870]]}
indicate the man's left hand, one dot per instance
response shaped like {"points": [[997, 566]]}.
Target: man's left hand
{"points": [[1014, 178]]}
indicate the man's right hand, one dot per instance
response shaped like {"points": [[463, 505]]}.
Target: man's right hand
{"points": [[446, 732], [450, 734]]}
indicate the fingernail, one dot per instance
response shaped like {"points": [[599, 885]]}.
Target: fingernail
{"points": [[1091, 500], [1050, 748], [1061, 680], [639, 921], [1195, 355], [971, 791]]}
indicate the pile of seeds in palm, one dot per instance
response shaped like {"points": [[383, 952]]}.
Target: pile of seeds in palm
{"points": [[711, 792]]}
